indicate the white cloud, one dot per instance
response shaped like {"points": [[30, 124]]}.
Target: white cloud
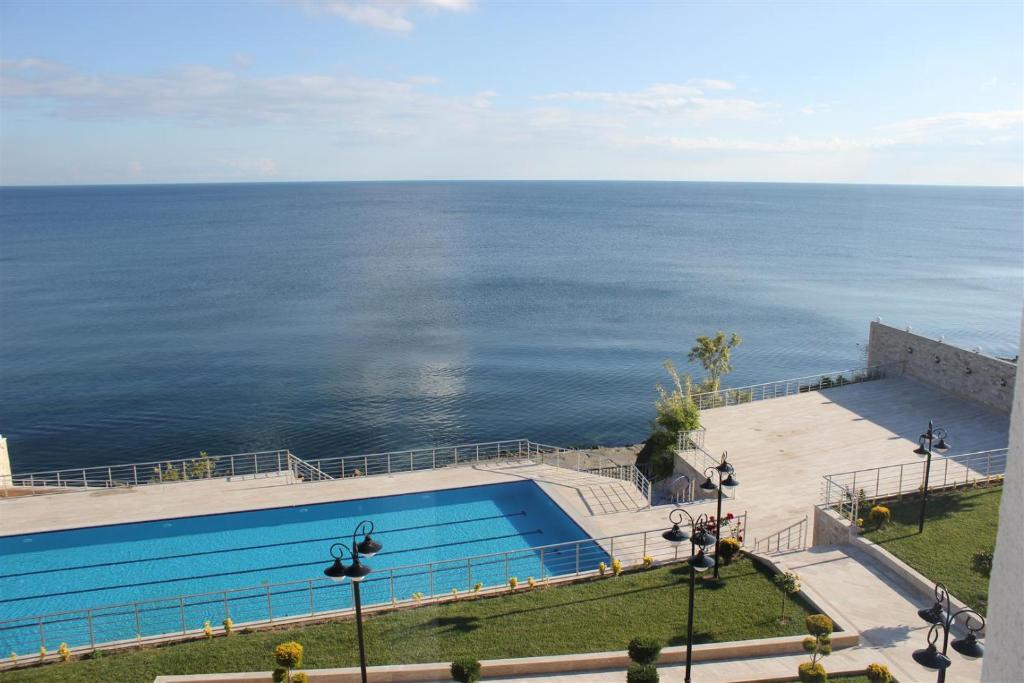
{"points": [[687, 98], [790, 144], [928, 127], [385, 15]]}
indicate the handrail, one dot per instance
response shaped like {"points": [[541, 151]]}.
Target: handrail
{"points": [[846, 490], [799, 528], [789, 387]]}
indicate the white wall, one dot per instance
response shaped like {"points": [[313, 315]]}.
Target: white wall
{"points": [[1004, 652]]}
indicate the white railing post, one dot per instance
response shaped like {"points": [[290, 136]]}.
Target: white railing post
{"points": [[312, 608]]}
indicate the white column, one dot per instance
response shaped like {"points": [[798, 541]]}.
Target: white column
{"points": [[1004, 658], [5, 464]]}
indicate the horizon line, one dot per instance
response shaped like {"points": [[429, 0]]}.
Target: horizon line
{"points": [[4, 186]]}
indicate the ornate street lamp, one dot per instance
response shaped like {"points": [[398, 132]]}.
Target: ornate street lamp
{"points": [[942, 618], [357, 571], [925, 447], [700, 538], [723, 469]]}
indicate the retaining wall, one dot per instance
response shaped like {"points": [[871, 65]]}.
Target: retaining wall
{"points": [[962, 373]]}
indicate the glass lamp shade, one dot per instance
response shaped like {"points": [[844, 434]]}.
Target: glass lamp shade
{"points": [[368, 547], [725, 468], [357, 571], [675, 535], [709, 485], [969, 647], [932, 615], [336, 572], [731, 482], [921, 450], [942, 446], [701, 562], [931, 658]]}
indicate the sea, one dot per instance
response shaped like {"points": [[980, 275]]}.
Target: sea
{"points": [[142, 323]]}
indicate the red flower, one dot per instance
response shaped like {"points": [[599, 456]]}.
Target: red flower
{"points": [[729, 516]]}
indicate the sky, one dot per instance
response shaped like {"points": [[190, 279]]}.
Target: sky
{"points": [[169, 92]]}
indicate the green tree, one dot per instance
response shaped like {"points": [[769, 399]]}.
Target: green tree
{"points": [[715, 354], [676, 412]]}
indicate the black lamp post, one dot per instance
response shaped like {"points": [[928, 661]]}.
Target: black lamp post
{"points": [[925, 447], [357, 571], [699, 562], [723, 469], [942, 617]]}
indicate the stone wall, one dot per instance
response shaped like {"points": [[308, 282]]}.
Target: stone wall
{"points": [[962, 373], [830, 528]]}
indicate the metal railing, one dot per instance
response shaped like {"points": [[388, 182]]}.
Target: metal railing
{"points": [[797, 385], [155, 472], [393, 462], [185, 615], [697, 457], [846, 491], [790, 539]]}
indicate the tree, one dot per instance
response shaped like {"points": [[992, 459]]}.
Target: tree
{"points": [[715, 354], [789, 584], [676, 412]]}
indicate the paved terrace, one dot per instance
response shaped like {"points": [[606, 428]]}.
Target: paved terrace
{"points": [[781, 449]]}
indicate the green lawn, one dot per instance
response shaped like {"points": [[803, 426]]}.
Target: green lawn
{"points": [[584, 617], [958, 524]]}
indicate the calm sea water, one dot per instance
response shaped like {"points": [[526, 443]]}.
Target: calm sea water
{"points": [[139, 323]]}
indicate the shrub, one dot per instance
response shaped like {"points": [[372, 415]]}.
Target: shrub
{"points": [[288, 655], [812, 672], [207, 630], [879, 516], [229, 626], [279, 675], [644, 650], [64, 652], [14, 657], [982, 562], [818, 624], [300, 677], [878, 673], [641, 673], [601, 568], [728, 548], [455, 592], [788, 583], [648, 561], [465, 670], [530, 582], [512, 582], [477, 587], [616, 567], [818, 645], [417, 597]]}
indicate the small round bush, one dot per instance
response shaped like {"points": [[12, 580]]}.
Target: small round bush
{"points": [[465, 670], [812, 673], [879, 516], [644, 650], [982, 562], [818, 624], [878, 673], [729, 548], [300, 678], [288, 655], [641, 673]]}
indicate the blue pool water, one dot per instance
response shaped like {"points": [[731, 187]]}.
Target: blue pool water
{"points": [[159, 561]]}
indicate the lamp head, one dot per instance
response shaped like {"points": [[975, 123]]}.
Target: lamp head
{"points": [[336, 572], [731, 482], [704, 539], [933, 615], [921, 449], [701, 562], [357, 571], [969, 647], [931, 658], [709, 485], [368, 547], [675, 535], [942, 446]]}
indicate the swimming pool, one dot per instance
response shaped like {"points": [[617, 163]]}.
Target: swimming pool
{"points": [[269, 563]]}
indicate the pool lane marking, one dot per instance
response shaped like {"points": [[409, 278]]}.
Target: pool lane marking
{"points": [[249, 547], [596, 547], [156, 582]]}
